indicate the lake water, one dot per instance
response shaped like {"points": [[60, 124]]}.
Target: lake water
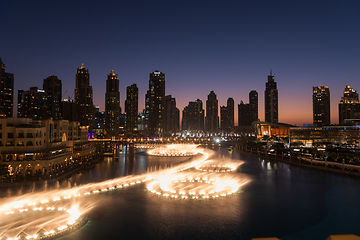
{"points": [[280, 201]]}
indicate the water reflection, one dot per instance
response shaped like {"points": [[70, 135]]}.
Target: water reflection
{"points": [[130, 161]]}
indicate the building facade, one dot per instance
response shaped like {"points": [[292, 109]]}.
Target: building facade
{"points": [[321, 106], [156, 103], [271, 100], [349, 106], [32, 104], [172, 115], [131, 108], [112, 105], [212, 115], [53, 91], [6, 91], [193, 116], [84, 108]]}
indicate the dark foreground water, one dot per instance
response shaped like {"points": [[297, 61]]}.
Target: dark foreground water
{"points": [[280, 201]]}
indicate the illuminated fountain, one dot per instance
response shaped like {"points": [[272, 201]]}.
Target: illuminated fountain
{"points": [[46, 214], [213, 182], [175, 150]]}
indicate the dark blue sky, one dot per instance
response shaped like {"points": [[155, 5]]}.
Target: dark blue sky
{"points": [[225, 46]]}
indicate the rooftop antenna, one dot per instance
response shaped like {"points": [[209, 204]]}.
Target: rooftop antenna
{"points": [[270, 72]]}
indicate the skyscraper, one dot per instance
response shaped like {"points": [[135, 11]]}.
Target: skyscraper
{"points": [[84, 108], [321, 106], [6, 91], [230, 113], [131, 108], [349, 106], [112, 104], [172, 115], [253, 101], [212, 116], [244, 114], [193, 116], [223, 118], [271, 100], [31, 104], [53, 90], [156, 96], [248, 113]]}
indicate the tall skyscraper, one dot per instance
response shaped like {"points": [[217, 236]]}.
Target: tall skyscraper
{"points": [[321, 106], [248, 112], [84, 108], [53, 90], [112, 104], [244, 114], [193, 116], [31, 103], [227, 115], [212, 116], [156, 95], [223, 118], [253, 101], [349, 106], [131, 108], [172, 115], [271, 100], [6, 91]]}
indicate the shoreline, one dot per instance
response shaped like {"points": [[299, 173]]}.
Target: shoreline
{"points": [[54, 179], [346, 169]]}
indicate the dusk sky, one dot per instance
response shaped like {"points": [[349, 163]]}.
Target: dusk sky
{"points": [[225, 46]]}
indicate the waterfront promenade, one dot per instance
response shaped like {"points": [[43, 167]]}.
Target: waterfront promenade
{"points": [[309, 162]]}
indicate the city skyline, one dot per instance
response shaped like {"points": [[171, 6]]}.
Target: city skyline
{"points": [[305, 44]]}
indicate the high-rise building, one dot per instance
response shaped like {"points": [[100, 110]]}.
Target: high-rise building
{"points": [[131, 108], [223, 118], [21, 98], [156, 96], [248, 112], [253, 101], [227, 116], [68, 110], [172, 115], [193, 116], [271, 100], [349, 106], [244, 114], [212, 116], [84, 108], [53, 90], [112, 104], [31, 104], [6, 91], [321, 106]]}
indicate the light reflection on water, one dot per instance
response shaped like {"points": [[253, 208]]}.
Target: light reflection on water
{"points": [[283, 201]]}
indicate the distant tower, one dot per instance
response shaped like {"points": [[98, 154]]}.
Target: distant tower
{"points": [[6, 91], [84, 108], [172, 115], [212, 116], [230, 113], [271, 100], [321, 106], [223, 118], [193, 116], [31, 104], [112, 105], [131, 108], [156, 96], [349, 106], [53, 91], [253, 101]]}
